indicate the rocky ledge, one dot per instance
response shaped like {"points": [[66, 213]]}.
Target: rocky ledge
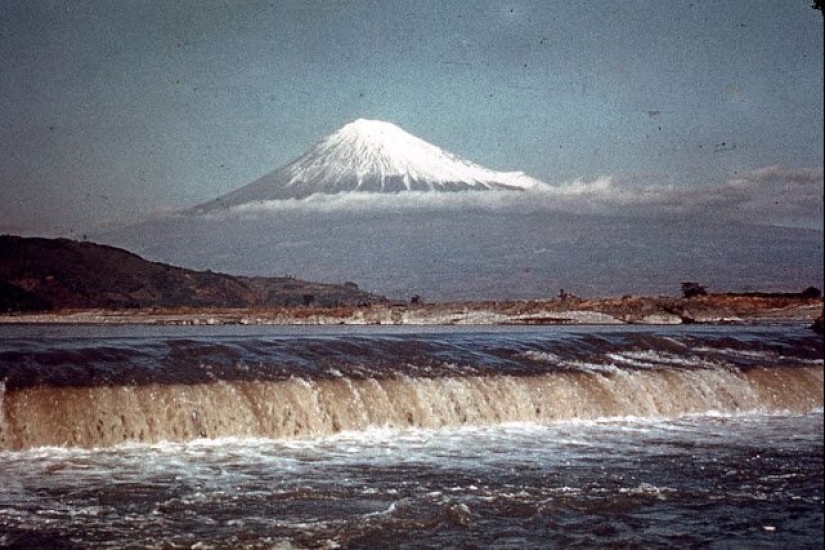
{"points": [[710, 309]]}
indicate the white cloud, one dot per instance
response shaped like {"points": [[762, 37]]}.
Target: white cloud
{"points": [[771, 195]]}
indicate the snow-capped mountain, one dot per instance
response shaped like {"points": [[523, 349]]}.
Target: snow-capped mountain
{"points": [[387, 223], [371, 156]]}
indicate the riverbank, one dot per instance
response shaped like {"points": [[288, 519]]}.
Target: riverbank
{"points": [[713, 309]]}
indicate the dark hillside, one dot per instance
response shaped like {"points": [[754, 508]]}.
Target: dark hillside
{"points": [[44, 274]]}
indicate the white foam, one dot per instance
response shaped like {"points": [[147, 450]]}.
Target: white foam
{"points": [[596, 368], [542, 356], [650, 358]]}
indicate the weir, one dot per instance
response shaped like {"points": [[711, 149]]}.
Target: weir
{"points": [[302, 407]]}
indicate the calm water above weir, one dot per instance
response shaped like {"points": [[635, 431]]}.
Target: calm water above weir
{"points": [[366, 437]]}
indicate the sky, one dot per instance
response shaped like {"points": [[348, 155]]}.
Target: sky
{"points": [[112, 112]]}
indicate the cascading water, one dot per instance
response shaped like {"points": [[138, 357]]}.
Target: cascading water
{"points": [[262, 437], [74, 393]]}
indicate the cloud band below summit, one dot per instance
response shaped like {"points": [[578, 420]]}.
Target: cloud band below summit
{"points": [[771, 196]]}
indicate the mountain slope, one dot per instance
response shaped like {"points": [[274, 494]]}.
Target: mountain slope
{"points": [[478, 254], [44, 274], [370, 156]]}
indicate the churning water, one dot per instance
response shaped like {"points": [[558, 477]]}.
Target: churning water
{"points": [[518, 437]]}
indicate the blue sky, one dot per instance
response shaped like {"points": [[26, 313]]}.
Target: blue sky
{"points": [[112, 112]]}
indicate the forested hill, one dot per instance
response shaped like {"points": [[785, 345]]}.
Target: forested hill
{"points": [[53, 274]]}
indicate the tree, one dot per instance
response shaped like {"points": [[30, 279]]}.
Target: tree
{"points": [[692, 290]]}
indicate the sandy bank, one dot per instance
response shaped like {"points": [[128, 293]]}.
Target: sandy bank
{"points": [[604, 311]]}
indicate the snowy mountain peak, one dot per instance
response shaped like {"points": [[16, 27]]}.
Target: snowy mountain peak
{"points": [[376, 130], [379, 137], [373, 156]]}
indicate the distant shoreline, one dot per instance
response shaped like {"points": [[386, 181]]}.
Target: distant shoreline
{"points": [[642, 310]]}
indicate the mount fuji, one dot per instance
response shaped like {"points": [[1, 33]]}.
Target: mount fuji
{"points": [[375, 205], [372, 156]]}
